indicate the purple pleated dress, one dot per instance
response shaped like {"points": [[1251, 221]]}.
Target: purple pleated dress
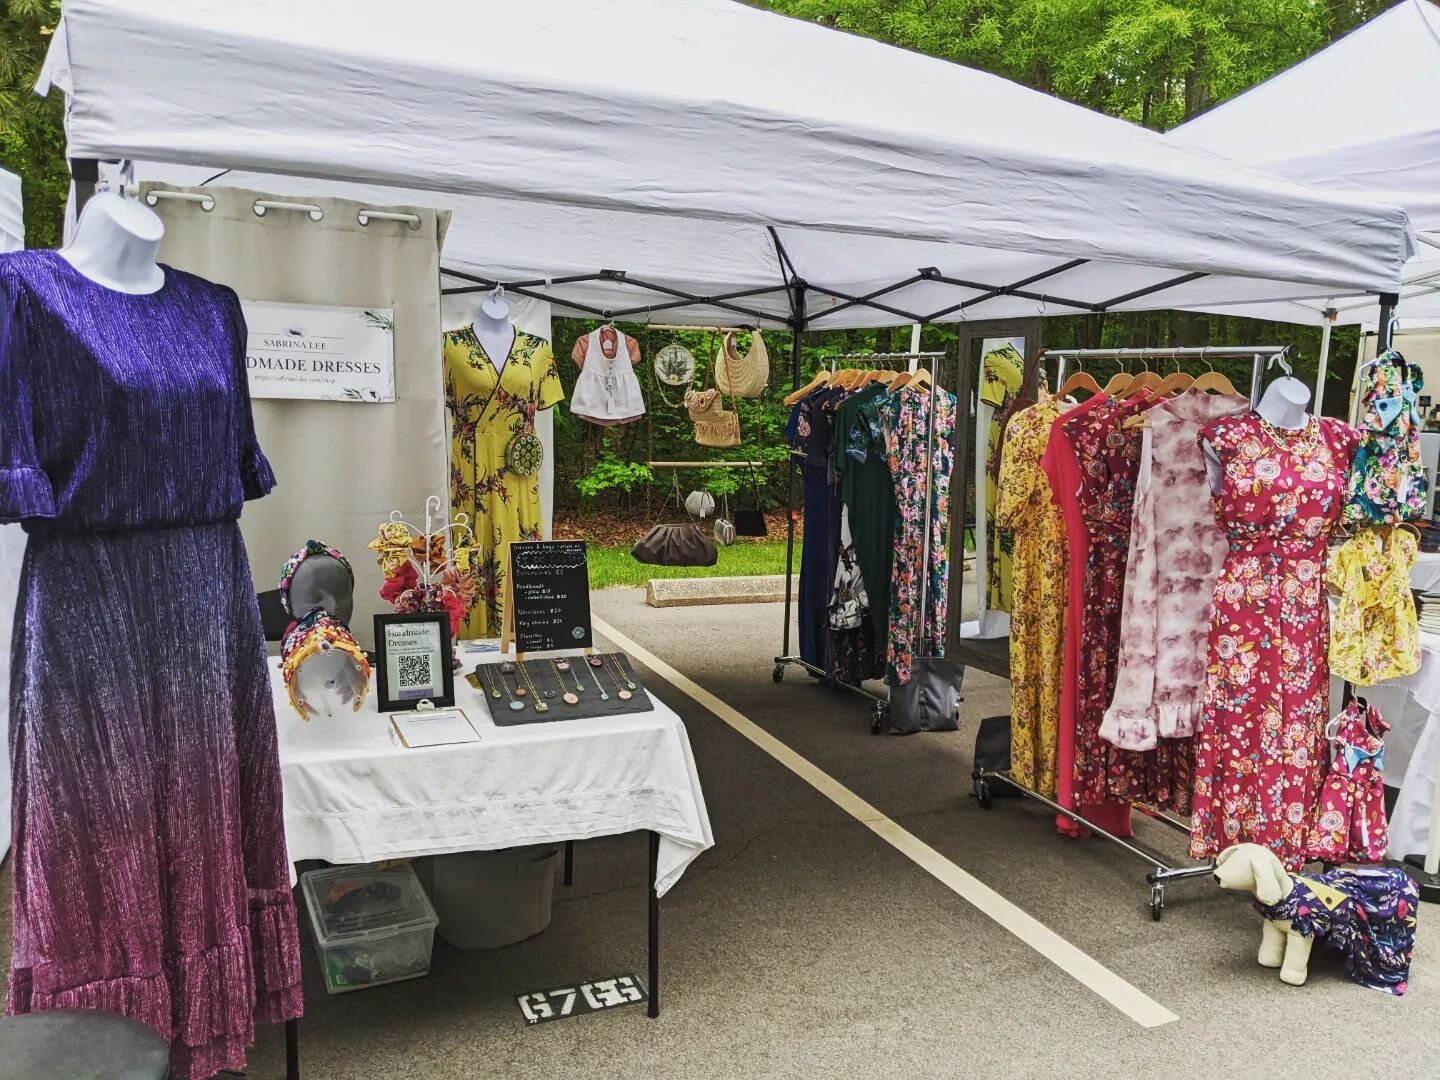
{"points": [[150, 870]]}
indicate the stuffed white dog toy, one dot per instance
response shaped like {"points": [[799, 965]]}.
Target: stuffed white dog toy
{"points": [[1367, 915], [1256, 870]]}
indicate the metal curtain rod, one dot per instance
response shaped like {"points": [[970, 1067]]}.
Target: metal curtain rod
{"points": [[702, 329], [705, 464], [1217, 351], [885, 356]]}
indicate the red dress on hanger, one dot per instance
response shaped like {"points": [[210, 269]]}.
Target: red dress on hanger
{"points": [[1063, 470]]}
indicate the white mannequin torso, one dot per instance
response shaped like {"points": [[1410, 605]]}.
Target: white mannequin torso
{"points": [[1284, 405], [494, 330], [115, 244]]}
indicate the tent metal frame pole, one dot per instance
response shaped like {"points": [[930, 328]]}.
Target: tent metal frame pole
{"points": [[1323, 366]]}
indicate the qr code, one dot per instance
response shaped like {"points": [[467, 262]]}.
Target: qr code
{"points": [[415, 672]]}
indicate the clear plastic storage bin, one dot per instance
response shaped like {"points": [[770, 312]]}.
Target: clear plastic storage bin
{"points": [[371, 926]]}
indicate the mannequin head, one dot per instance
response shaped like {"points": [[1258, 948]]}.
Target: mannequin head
{"points": [[494, 308], [130, 216], [115, 243], [318, 576]]}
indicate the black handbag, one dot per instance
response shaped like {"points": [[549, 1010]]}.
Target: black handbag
{"points": [[751, 522], [676, 545]]}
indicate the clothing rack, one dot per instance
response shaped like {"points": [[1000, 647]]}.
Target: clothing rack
{"points": [[1259, 356], [982, 779], [880, 706]]}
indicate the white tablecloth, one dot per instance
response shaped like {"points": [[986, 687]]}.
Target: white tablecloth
{"points": [[353, 794]]}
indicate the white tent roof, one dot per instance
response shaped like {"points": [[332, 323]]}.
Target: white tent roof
{"points": [[663, 140], [1360, 117], [12, 213]]}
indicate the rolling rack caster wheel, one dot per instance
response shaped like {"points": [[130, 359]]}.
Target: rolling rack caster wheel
{"points": [[1157, 902], [879, 714], [983, 795], [778, 674]]}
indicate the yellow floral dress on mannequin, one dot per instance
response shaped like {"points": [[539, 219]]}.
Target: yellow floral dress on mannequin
{"points": [[488, 408]]}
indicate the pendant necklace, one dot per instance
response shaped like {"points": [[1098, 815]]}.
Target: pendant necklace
{"points": [[620, 670], [620, 691], [491, 688], [569, 697], [508, 668], [515, 703], [595, 661], [603, 695], [540, 706], [564, 665]]}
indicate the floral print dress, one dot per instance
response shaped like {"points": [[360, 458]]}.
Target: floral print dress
{"points": [[905, 417], [1388, 484], [1108, 452], [1260, 749], [1002, 375], [488, 407], [1376, 634], [1037, 612], [1350, 823]]}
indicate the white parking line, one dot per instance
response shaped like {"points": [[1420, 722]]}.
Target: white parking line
{"points": [[1083, 968]]}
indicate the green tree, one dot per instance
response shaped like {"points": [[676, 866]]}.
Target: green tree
{"points": [[32, 138]]}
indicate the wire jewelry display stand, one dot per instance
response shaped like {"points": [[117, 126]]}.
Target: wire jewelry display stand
{"points": [[879, 705], [1162, 871]]}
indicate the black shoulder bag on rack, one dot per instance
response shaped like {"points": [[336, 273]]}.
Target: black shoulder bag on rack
{"points": [[751, 521]]}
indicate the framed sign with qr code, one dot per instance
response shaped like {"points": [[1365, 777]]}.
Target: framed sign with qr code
{"points": [[413, 661]]}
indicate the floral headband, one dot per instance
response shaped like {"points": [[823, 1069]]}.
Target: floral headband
{"points": [[312, 547], [318, 632]]}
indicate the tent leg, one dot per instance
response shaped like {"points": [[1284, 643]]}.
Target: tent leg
{"points": [[85, 172], [797, 328], [1388, 303], [1324, 365]]}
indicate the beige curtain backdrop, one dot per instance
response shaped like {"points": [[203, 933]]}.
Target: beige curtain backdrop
{"points": [[341, 467]]}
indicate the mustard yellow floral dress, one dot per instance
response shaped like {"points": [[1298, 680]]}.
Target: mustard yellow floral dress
{"points": [[1040, 583], [1002, 373], [487, 409], [1375, 635]]}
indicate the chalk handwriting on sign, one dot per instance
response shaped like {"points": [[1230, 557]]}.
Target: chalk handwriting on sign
{"points": [[319, 353], [540, 1006], [550, 591]]}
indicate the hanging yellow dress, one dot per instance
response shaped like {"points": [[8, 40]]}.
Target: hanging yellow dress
{"points": [[1002, 373], [1037, 614], [487, 409], [1374, 634]]}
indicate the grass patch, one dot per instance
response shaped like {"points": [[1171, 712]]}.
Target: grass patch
{"points": [[615, 566]]}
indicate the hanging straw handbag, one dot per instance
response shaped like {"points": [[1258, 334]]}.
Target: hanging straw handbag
{"points": [[715, 425], [742, 376]]}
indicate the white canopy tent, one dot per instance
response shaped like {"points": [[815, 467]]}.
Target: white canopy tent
{"points": [[714, 156], [1361, 117]]}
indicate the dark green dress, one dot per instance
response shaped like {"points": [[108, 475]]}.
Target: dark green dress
{"points": [[858, 458]]}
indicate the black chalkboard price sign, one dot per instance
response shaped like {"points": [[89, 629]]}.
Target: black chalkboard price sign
{"points": [[548, 605]]}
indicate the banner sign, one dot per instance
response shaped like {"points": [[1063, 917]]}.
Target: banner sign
{"points": [[320, 353]]}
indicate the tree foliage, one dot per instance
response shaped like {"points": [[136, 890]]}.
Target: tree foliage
{"points": [[1154, 62], [32, 139]]}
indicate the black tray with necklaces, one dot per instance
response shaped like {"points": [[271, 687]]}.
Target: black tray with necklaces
{"points": [[560, 688]]}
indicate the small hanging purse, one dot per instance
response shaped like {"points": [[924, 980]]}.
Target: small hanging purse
{"points": [[742, 376], [524, 453], [724, 525], [714, 424], [751, 521]]}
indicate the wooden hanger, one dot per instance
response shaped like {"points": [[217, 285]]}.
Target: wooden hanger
{"points": [[822, 378], [1176, 383], [1146, 380], [1211, 380], [920, 378], [900, 381], [1119, 385], [1079, 379]]}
